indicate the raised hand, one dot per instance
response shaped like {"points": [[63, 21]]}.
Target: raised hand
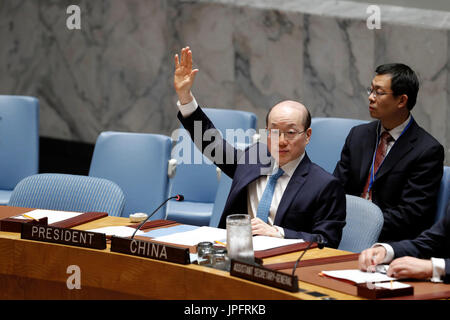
{"points": [[184, 75]]}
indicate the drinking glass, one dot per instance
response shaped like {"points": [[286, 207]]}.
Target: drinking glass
{"points": [[239, 238]]}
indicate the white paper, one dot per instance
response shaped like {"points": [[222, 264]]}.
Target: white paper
{"points": [[192, 238], [52, 215], [393, 285], [264, 242], [118, 231], [358, 276]]}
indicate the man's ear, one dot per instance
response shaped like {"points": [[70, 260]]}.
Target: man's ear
{"points": [[308, 134], [403, 102]]}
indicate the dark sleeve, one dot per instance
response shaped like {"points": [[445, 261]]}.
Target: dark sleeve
{"points": [[433, 242], [329, 218], [210, 141], [417, 206]]}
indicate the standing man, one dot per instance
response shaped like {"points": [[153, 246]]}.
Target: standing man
{"points": [[295, 198], [392, 161]]}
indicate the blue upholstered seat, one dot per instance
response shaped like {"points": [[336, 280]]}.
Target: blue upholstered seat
{"points": [[327, 139], [364, 222], [68, 193], [138, 163], [19, 141], [444, 194]]}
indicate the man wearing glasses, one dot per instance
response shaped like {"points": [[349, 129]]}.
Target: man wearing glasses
{"points": [[293, 199], [392, 161]]}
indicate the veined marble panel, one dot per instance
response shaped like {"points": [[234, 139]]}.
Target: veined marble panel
{"points": [[268, 61], [116, 73]]}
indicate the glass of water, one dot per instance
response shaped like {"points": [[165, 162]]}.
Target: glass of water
{"points": [[239, 238]]}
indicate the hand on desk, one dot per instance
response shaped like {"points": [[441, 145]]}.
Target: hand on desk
{"points": [[261, 228], [401, 268], [409, 267], [369, 258]]}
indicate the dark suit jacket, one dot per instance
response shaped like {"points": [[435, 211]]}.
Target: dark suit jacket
{"points": [[406, 184], [434, 242], [313, 202]]}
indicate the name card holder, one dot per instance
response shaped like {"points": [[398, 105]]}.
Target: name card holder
{"points": [[15, 225], [152, 250], [371, 291], [263, 275], [71, 237]]}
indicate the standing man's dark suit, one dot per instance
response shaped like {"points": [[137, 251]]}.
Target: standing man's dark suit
{"points": [[313, 202], [407, 183]]}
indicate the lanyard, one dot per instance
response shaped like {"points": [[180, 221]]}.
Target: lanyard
{"points": [[372, 173]]}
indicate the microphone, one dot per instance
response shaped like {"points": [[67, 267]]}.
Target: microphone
{"points": [[321, 242], [178, 197]]}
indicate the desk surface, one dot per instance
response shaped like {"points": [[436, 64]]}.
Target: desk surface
{"points": [[38, 270]]}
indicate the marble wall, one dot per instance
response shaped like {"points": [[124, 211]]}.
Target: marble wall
{"points": [[116, 72]]}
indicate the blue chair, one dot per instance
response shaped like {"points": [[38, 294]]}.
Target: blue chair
{"points": [[19, 142], [138, 163], [364, 222], [327, 139], [198, 182], [220, 200], [67, 192], [444, 194]]}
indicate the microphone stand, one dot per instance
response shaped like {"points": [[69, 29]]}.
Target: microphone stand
{"points": [[178, 197]]}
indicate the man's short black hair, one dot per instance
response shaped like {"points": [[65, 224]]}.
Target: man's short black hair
{"points": [[403, 81], [306, 121]]}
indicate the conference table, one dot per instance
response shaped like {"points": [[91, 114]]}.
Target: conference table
{"points": [[39, 270]]}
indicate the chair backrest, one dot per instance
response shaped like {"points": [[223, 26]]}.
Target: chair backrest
{"points": [[364, 222], [444, 194], [221, 198], [19, 139], [198, 182], [68, 193], [327, 139], [138, 163]]}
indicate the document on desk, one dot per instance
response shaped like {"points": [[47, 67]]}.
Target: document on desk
{"points": [[118, 231], [358, 276], [52, 215], [191, 236], [264, 243]]}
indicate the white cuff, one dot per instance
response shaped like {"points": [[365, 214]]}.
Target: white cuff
{"points": [[280, 232], [188, 108], [438, 269], [389, 252]]}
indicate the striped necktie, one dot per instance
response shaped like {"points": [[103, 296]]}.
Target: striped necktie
{"points": [[266, 199]]}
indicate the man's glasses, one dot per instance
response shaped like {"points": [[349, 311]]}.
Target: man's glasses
{"points": [[288, 135], [376, 92]]}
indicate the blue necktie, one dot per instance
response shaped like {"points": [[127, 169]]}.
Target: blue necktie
{"points": [[266, 199]]}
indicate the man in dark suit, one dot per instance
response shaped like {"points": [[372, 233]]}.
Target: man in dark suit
{"points": [[426, 257], [392, 161], [305, 200]]}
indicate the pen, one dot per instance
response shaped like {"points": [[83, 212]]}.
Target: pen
{"points": [[29, 217], [221, 243]]}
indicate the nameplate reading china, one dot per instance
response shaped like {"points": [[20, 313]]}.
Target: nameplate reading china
{"points": [[263, 275], [69, 237], [150, 250]]}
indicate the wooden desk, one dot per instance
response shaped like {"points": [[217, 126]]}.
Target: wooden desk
{"points": [[38, 270]]}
